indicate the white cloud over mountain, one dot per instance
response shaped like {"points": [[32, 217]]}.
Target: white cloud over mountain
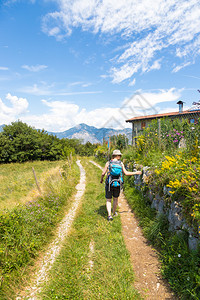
{"points": [[148, 28], [62, 115]]}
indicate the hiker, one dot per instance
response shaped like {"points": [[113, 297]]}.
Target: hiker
{"points": [[114, 180]]}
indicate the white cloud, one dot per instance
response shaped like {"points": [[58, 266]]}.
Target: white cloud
{"points": [[132, 83], [44, 89], [191, 76], [80, 83], [4, 69], [61, 108], [17, 107], [171, 109], [10, 2], [39, 90], [62, 115], [178, 68], [77, 93], [148, 27], [147, 103], [156, 65], [36, 68]]}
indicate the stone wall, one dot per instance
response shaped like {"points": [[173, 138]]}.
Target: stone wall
{"points": [[173, 211]]}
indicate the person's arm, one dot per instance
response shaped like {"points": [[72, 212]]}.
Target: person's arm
{"points": [[104, 171], [130, 173]]}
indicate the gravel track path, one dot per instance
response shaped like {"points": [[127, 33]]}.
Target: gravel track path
{"points": [[144, 258]]}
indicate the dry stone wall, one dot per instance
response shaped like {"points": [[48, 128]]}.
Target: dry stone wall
{"points": [[173, 210]]}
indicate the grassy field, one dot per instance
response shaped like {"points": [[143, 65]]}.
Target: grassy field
{"points": [[94, 262], [17, 182], [27, 228]]}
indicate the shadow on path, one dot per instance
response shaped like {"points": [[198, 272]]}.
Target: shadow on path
{"points": [[102, 211]]}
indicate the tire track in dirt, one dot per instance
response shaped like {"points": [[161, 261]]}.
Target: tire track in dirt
{"points": [[146, 265], [54, 248]]}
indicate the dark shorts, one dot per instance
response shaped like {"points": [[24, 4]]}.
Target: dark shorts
{"points": [[114, 192]]}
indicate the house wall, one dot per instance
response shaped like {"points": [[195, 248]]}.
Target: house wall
{"points": [[137, 124]]}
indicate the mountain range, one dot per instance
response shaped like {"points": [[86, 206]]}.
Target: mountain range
{"points": [[88, 133], [91, 134]]}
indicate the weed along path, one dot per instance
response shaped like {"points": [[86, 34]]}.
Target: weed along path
{"points": [[48, 259], [144, 258]]}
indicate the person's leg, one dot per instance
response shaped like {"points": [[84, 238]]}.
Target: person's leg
{"points": [[116, 193], [108, 201], [108, 206], [115, 203]]}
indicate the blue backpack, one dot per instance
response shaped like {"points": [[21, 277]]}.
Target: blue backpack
{"points": [[115, 175]]}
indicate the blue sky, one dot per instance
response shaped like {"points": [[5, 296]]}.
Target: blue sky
{"points": [[66, 62]]}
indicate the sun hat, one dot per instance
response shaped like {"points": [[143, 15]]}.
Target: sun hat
{"points": [[116, 152]]}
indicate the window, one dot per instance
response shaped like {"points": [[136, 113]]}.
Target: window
{"points": [[143, 124]]}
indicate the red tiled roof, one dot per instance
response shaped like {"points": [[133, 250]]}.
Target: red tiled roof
{"points": [[170, 114]]}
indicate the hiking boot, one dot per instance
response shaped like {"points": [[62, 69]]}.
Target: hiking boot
{"points": [[110, 218], [115, 214]]}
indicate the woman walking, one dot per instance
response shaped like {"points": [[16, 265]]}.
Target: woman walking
{"points": [[115, 170]]}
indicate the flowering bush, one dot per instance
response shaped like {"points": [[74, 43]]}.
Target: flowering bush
{"points": [[173, 136], [182, 175], [166, 134]]}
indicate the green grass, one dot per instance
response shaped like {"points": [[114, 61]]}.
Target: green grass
{"points": [[111, 276], [17, 180], [26, 229]]}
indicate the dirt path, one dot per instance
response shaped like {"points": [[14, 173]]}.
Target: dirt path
{"points": [[46, 262], [144, 258]]}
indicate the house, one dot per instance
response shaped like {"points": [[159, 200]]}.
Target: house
{"points": [[139, 123]]}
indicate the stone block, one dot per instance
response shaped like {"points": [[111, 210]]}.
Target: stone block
{"points": [[175, 220], [155, 204], [193, 243], [150, 195], [166, 190], [161, 206]]}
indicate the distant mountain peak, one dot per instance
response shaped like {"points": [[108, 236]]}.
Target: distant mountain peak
{"points": [[91, 134]]}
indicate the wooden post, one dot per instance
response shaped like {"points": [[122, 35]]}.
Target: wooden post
{"points": [[159, 132], [133, 142], [69, 162], [36, 180], [60, 174]]}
